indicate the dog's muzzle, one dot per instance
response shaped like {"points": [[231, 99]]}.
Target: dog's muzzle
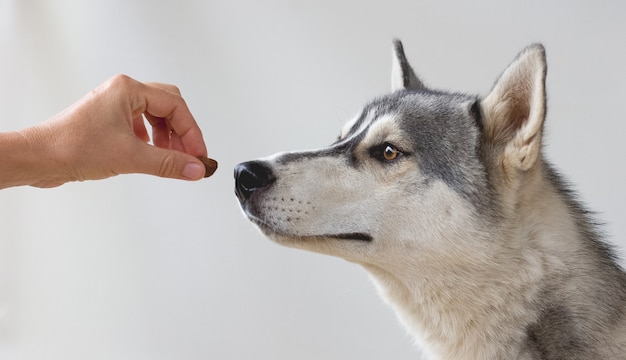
{"points": [[252, 176], [255, 176]]}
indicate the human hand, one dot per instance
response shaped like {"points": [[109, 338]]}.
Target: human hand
{"points": [[103, 134]]}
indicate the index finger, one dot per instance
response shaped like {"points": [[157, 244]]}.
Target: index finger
{"points": [[168, 105]]}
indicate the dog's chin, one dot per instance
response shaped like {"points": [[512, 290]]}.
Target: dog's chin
{"points": [[286, 237]]}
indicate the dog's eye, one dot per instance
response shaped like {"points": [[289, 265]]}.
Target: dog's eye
{"points": [[386, 152], [390, 153]]}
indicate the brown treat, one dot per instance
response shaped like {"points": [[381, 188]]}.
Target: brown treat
{"points": [[209, 164]]}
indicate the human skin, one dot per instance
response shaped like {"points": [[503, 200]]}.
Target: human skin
{"points": [[103, 134]]}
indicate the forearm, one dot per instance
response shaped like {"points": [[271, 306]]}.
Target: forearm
{"points": [[26, 159]]}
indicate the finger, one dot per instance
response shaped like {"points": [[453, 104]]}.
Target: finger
{"points": [[167, 87], [167, 163], [139, 128], [160, 131], [160, 103], [176, 142], [165, 137]]}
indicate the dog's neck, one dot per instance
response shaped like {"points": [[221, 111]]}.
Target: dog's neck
{"points": [[472, 302], [453, 317]]}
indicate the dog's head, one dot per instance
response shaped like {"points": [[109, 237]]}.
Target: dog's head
{"points": [[411, 170]]}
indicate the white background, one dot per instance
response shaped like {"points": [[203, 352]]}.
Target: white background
{"points": [[137, 267]]}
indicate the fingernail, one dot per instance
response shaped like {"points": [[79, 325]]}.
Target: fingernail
{"points": [[193, 171]]}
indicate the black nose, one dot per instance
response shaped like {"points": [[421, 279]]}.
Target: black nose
{"points": [[250, 177]]}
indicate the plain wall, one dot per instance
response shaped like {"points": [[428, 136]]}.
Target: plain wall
{"points": [[137, 267]]}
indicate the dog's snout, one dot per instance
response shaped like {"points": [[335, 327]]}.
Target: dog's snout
{"points": [[251, 176]]}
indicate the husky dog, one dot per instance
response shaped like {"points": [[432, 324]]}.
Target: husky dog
{"points": [[448, 203]]}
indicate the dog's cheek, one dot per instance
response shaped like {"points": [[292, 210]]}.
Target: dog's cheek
{"points": [[415, 222]]}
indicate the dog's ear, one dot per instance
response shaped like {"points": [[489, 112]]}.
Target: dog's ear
{"points": [[402, 75], [514, 111]]}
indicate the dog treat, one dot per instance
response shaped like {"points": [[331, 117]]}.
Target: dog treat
{"points": [[209, 164]]}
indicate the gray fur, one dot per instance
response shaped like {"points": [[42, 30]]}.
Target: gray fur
{"points": [[451, 155], [467, 231]]}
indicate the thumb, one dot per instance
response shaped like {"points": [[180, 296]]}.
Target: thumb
{"points": [[168, 163]]}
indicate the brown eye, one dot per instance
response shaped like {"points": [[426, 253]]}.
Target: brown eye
{"points": [[390, 153], [385, 152]]}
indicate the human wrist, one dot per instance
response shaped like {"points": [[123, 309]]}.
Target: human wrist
{"points": [[29, 158], [16, 162]]}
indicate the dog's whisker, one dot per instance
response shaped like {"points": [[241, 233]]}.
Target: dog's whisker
{"points": [[446, 200]]}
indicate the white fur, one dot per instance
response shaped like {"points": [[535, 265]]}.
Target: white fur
{"points": [[466, 288]]}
